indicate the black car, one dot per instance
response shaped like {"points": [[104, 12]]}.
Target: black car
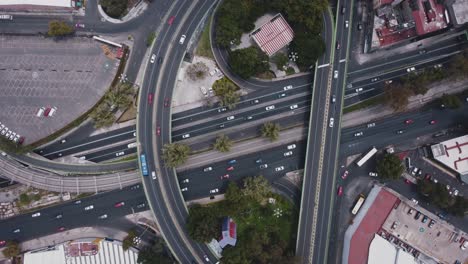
{"points": [[160, 60], [359, 26], [418, 214]]}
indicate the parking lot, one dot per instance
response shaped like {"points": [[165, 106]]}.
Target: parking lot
{"points": [[438, 241], [70, 74]]}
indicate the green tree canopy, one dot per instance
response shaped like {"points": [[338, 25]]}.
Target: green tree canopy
{"points": [[227, 92], [24, 199], [390, 167], [202, 223], [12, 249], [175, 154], [59, 28], [256, 188], [154, 254], [223, 143], [451, 101], [114, 8], [270, 130], [129, 240], [396, 96], [248, 62], [308, 46], [280, 60]]}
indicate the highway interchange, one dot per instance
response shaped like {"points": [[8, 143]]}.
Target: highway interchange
{"points": [[164, 196]]}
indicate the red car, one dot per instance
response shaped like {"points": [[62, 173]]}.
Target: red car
{"points": [[119, 204], [150, 98], [21, 140], [225, 176], [230, 168], [432, 122], [407, 181], [171, 20], [166, 102], [345, 174], [340, 191], [47, 111], [158, 131], [409, 121], [60, 229], [2, 243]]}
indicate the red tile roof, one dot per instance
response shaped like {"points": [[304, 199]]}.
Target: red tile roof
{"points": [[273, 35]]}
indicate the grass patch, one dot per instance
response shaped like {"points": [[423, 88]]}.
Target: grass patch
{"points": [[290, 70], [127, 158], [204, 45], [364, 104]]}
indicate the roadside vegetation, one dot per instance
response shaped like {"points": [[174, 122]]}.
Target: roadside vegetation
{"points": [[270, 130], [266, 223], [223, 143], [437, 193], [12, 249], [114, 8], [234, 17], [364, 104], [197, 71], [204, 45], [59, 28], [397, 93], [450, 101], [129, 240], [227, 92], [248, 62], [118, 98], [175, 154], [156, 253], [150, 39], [390, 167]]}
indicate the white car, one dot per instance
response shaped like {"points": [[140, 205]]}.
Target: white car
{"points": [[292, 107], [287, 154], [332, 121], [104, 216], [186, 181], [370, 125], [375, 79], [263, 166], [153, 175], [288, 87], [335, 74], [223, 109], [271, 107], [411, 69], [280, 168], [184, 189], [346, 24], [373, 174], [414, 201], [207, 169], [118, 154], [358, 134], [153, 58], [17, 230], [186, 135], [229, 118], [359, 90], [292, 146], [455, 193], [214, 190], [36, 214], [182, 39], [89, 207]]}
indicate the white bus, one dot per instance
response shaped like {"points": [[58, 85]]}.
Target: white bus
{"points": [[367, 157], [358, 204]]}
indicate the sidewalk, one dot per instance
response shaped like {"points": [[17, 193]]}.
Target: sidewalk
{"points": [[381, 111], [134, 12]]}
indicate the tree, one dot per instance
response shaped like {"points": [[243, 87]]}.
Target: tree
{"points": [[396, 96], [390, 167], [271, 131], [12, 249], [154, 254], [175, 154], [202, 223], [114, 8], [459, 65], [24, 199], [59, 28], [121, 96], [102, 116], [129, 240], [227, 92], [197, 71], [223, 143], [280, 60], [256, 188], [248, 62], [417, 83], [309, 48], [451, 101]]}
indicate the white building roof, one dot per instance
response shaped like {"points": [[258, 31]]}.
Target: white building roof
{"points": [[58, 3], [109, 253], [273, 35], [453, 153], [383, 252]]}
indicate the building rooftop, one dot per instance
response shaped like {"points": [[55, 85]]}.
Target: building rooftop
{"points": [[273, 35], [453, 153], [460, 10], [429, 17], [56, 3]]}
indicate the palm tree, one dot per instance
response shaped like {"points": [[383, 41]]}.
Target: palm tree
{"points": [[271, 131], [223, 143], [175, 154]]}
